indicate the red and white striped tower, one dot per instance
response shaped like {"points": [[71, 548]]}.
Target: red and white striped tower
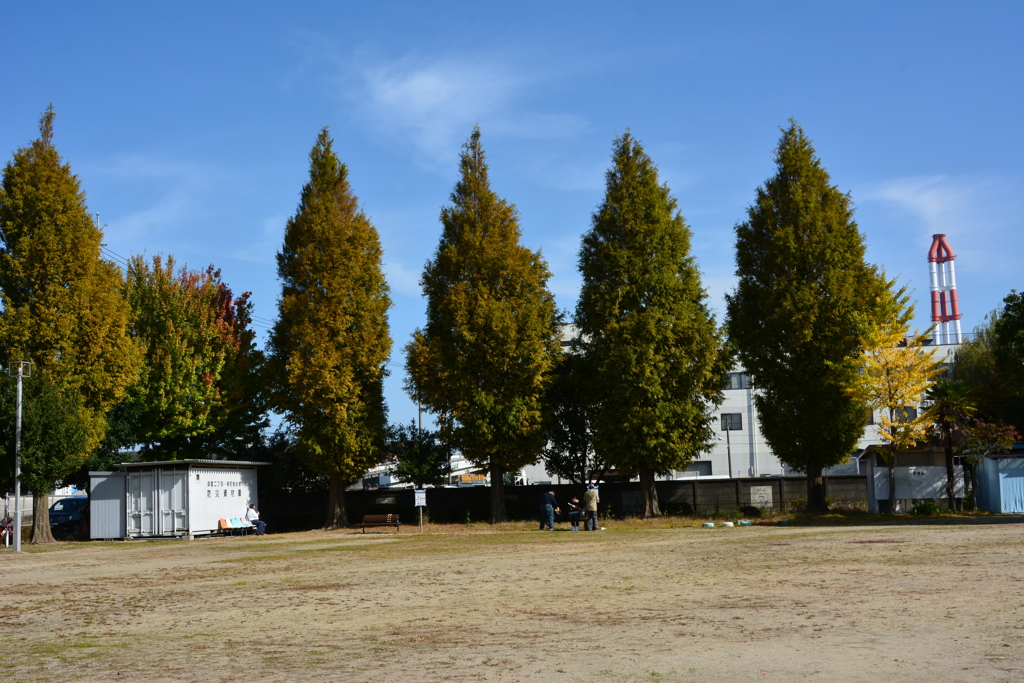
{"points": [[945, 311]]}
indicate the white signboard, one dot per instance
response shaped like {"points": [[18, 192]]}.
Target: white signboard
{"points": [[761, 496], [421, 498], [217, 493]]}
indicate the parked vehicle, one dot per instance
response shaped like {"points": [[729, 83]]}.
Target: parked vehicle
{"points": [[70, 516]]}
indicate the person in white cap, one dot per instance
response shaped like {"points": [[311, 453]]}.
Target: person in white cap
{"points": [[590, 501]]}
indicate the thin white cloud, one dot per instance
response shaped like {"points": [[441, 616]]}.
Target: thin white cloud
{"points": [[174, 188], [401, 279], [980, 215], [433, 103], [937, 201]]}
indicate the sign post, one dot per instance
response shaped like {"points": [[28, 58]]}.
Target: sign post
{"points": [[421, 502]]}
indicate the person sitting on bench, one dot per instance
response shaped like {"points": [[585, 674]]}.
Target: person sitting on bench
{"points": [[253, 517]]}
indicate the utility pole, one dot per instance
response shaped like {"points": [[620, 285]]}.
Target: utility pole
{"points": [[18, 369], [727, 427], [728, 450]]}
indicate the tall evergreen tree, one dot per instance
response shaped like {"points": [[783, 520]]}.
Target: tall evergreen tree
{"points": [[61, 302], [804, 302], [491, 334], [330, 344], [656, 359]]}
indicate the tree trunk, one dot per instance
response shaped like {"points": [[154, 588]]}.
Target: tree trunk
{"points": [[971, 484], [947, 442], [648, 494], [815, 488], [337, 516], [498, 494], [40, 518], [892, 483]]}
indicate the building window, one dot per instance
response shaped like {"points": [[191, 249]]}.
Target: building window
{"points": [[906, 414], [738, 380], [732, 422]]}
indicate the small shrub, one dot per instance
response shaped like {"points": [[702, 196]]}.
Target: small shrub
{"points": [[925, 508]]}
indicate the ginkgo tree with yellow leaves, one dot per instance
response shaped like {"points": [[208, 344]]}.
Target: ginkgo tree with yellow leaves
{"points": [[896, 371]]}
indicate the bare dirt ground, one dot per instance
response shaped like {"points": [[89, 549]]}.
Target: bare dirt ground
{"points": [[939, 603]]}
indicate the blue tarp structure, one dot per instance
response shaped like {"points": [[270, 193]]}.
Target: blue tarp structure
{"points": [[1001, 483]]}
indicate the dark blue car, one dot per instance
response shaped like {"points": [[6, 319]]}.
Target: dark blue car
{"points": [[69, 516]]}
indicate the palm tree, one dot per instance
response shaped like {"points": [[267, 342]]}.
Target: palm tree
{"points": [[951, 411]]}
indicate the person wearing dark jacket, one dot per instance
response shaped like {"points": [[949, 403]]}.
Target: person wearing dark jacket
{"points": [[548, 508], [575, 512]]}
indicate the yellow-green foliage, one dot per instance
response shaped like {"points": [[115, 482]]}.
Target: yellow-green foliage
{"points": [[188, 332], [482, 359], [896, 371], [802, 304], [655, 360], [62, 305], [330, 343]]}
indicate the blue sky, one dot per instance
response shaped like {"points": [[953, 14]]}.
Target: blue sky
{"points": [[189, 124]]}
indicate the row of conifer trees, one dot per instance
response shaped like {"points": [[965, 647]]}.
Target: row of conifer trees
{"points": [[164, 360]]}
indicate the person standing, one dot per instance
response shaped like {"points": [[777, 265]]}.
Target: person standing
{"points": [[575, 512], [548, 508], [590, 501], [253, 517]]}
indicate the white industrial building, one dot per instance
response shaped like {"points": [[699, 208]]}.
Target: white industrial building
{"points": [[741, 450]]}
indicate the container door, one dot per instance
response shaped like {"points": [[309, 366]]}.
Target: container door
{"points": [[134, 516], [141, 520], [173, 521]]}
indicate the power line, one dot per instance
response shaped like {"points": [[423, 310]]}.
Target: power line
{"points": [[113, 253], [115, 257]]}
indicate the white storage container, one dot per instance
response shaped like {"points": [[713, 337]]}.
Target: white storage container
{"points": [[170, 498]]}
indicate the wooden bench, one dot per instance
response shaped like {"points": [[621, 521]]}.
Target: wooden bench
{"points": [[380, 520]]}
